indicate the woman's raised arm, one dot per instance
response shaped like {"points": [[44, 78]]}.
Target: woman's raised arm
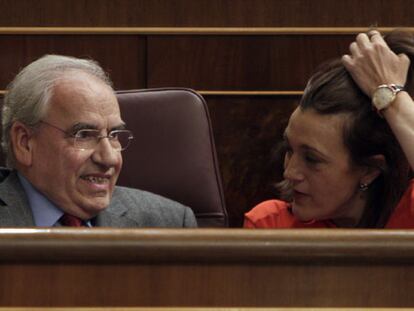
{"points": [[372, 64]]}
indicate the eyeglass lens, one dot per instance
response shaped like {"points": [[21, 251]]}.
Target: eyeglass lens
{"points": [[88, 139]]}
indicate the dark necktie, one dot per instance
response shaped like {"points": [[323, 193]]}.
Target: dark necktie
{"points": [[71, 221]]}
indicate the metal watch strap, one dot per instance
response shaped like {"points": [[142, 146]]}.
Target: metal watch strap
{"points": [[396, 88]]}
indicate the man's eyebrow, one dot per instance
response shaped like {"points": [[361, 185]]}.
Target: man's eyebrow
{"points": [[121, 126], [87, 126], [83, 126]]}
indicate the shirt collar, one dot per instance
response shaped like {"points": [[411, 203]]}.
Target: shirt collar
{"points": [[45, 213]]}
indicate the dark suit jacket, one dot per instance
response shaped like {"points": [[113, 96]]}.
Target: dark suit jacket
{"points": [[128, 208]]}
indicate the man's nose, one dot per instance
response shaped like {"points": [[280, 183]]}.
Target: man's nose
{"points": [[105, 154], [293, 171]]}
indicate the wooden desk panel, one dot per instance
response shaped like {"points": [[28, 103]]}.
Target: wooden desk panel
{"points": [[205, 285], [123, 57], [219, 13], [281, 63], [206, 267]]}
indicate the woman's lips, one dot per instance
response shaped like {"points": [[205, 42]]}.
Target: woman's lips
{"points": [[298, 192], [298, 195]]}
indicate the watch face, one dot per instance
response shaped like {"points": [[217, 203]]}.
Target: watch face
{"points": [[382, 98]]}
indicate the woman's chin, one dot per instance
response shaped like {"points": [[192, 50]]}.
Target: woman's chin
{"points": [[301, 215]]}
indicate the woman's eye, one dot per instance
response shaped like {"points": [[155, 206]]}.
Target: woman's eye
{"points": [[312, 159]]}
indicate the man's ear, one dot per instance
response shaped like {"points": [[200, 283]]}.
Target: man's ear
{"points": [[20, 136], [376, 167]]}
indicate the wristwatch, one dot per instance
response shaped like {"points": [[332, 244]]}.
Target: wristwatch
{"points": [[384, 95]]}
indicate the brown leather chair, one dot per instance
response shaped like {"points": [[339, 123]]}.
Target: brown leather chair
{"points": [[173, 152]]}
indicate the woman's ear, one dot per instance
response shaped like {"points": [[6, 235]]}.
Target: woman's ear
{"points": [[372, 171], [20, 136]]}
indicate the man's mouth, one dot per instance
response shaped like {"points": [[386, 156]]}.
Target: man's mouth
{"points": [[96, 179]]}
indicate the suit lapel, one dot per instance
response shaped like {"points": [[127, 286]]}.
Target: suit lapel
{"points": [[116, 214], [14, 206], [16, 212], [113, 217]]}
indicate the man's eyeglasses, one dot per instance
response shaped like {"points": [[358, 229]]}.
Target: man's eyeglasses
{"points": [[89, 138]]}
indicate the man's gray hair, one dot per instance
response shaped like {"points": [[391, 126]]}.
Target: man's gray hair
{"points": [[28, 95]]}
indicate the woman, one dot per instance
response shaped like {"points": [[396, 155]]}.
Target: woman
{"points": [[348, 157]]}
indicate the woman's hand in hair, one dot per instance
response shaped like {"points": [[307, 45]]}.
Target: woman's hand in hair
{"points": [[372, 63]]}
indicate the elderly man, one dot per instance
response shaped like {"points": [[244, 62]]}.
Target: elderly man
{"points": [[63, 136]]}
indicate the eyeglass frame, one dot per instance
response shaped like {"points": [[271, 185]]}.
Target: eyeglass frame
{"points": [[97, 138]]}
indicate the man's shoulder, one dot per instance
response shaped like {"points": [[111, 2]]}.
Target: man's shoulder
{"points": [[9, 181], [144, 198], [150, 209], [14, 207], [4, 173]]}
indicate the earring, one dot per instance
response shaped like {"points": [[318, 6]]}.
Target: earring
{"points": [[363, 187]]}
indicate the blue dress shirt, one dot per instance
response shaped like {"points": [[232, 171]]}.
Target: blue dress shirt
{"points": [[45, 213]]}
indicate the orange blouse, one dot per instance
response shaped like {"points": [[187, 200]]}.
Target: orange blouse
{"points": [[276, 214]]}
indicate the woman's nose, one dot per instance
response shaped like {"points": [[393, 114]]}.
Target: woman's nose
{"points": [[293, 171]]}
